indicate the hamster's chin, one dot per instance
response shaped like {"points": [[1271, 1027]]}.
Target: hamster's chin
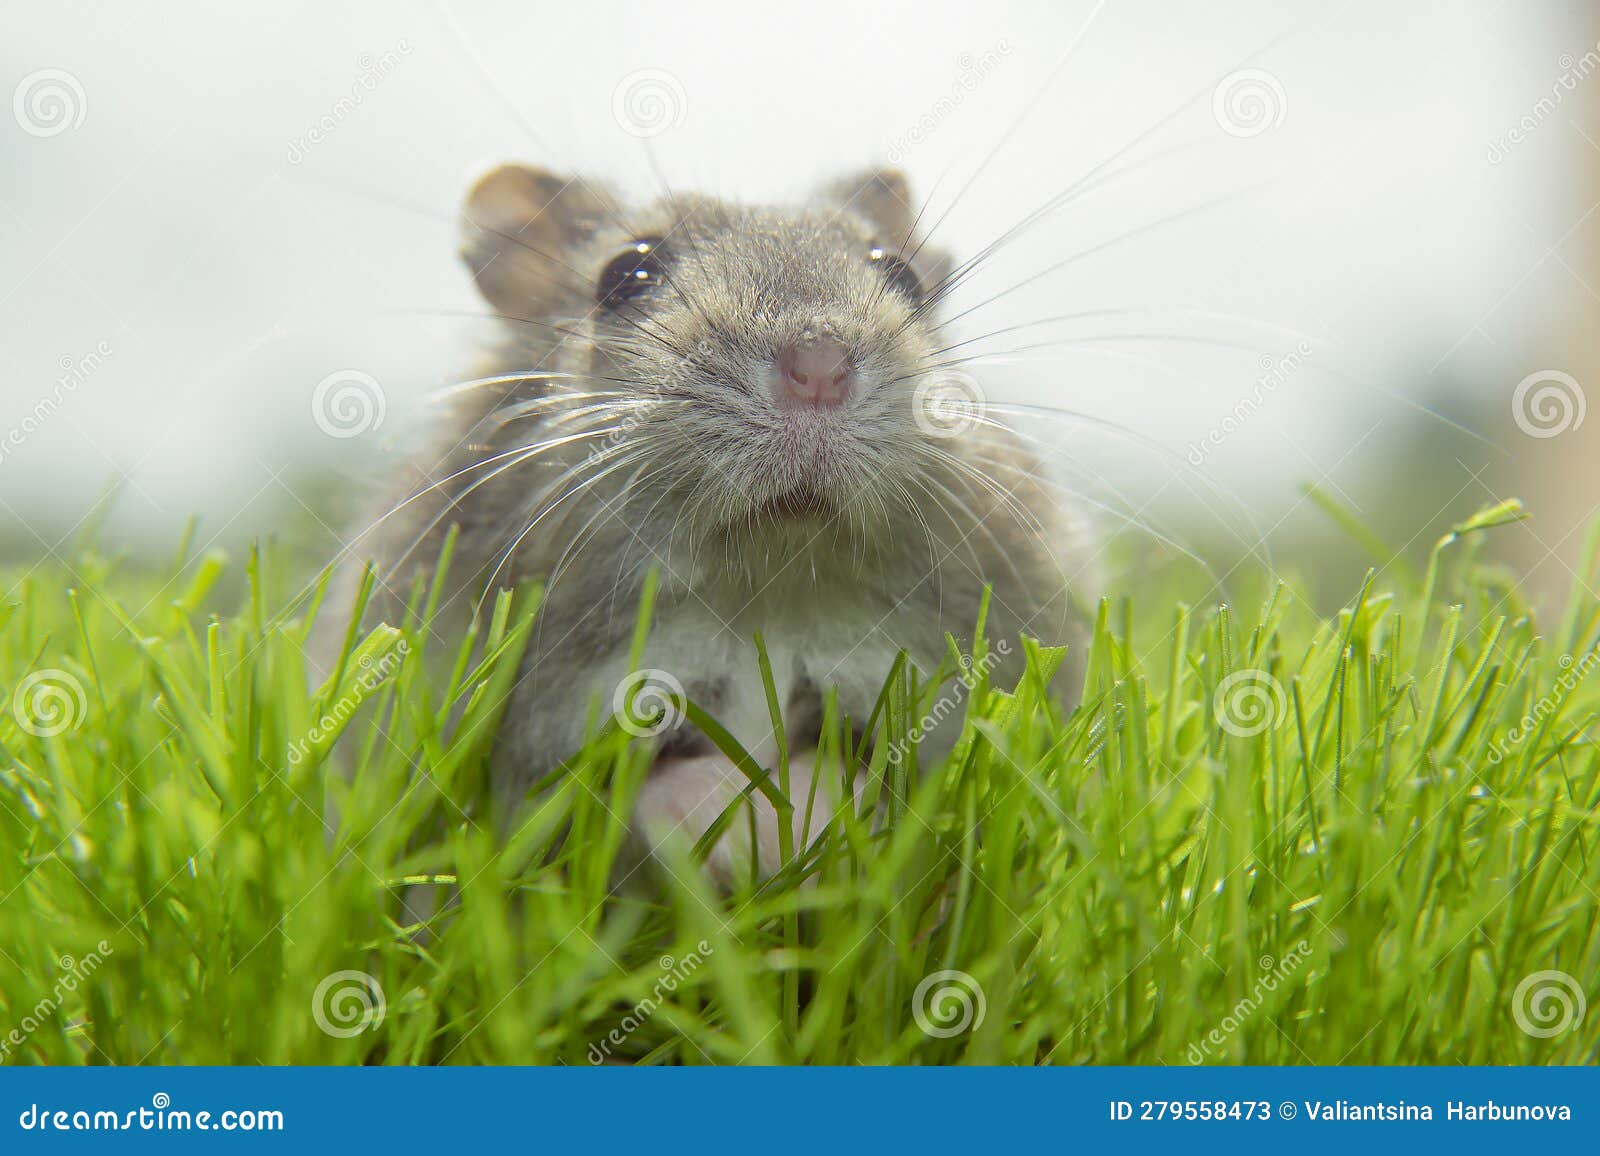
{"points": [[797, 505]]}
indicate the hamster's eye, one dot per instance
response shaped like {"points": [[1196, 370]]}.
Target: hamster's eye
{"points": [[641, 268], [896, 273]]}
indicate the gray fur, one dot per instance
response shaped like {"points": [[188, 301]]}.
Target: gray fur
{"points": [[843, 536]]}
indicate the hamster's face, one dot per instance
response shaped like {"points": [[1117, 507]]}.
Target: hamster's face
{"points": [[782, 355]]}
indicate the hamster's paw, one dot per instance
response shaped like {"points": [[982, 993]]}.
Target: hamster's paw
{"points": [[684, 795]]}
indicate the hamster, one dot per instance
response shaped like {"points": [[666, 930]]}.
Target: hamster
{"points": [[750, 402]]}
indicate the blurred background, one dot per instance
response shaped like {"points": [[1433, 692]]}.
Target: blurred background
{"points": [[1348, 246]]}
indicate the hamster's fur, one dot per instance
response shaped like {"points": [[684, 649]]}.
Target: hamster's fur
{"points": [[644, 412]]}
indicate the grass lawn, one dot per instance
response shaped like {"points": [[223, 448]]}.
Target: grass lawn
{"points": [[1266, 837]]}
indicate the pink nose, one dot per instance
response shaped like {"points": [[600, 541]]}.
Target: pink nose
{"points": [[814, 371]]}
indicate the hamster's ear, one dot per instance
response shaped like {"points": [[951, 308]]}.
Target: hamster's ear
{"points": [[518, 227], [880, 196]]}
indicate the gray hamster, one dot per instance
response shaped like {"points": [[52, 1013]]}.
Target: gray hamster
{"points": [[749, 401]]}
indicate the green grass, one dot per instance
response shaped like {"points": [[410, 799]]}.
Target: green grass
{"points": [[1367, 878]]}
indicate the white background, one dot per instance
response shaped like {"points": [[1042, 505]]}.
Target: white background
{"points": [[229, 268]]}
